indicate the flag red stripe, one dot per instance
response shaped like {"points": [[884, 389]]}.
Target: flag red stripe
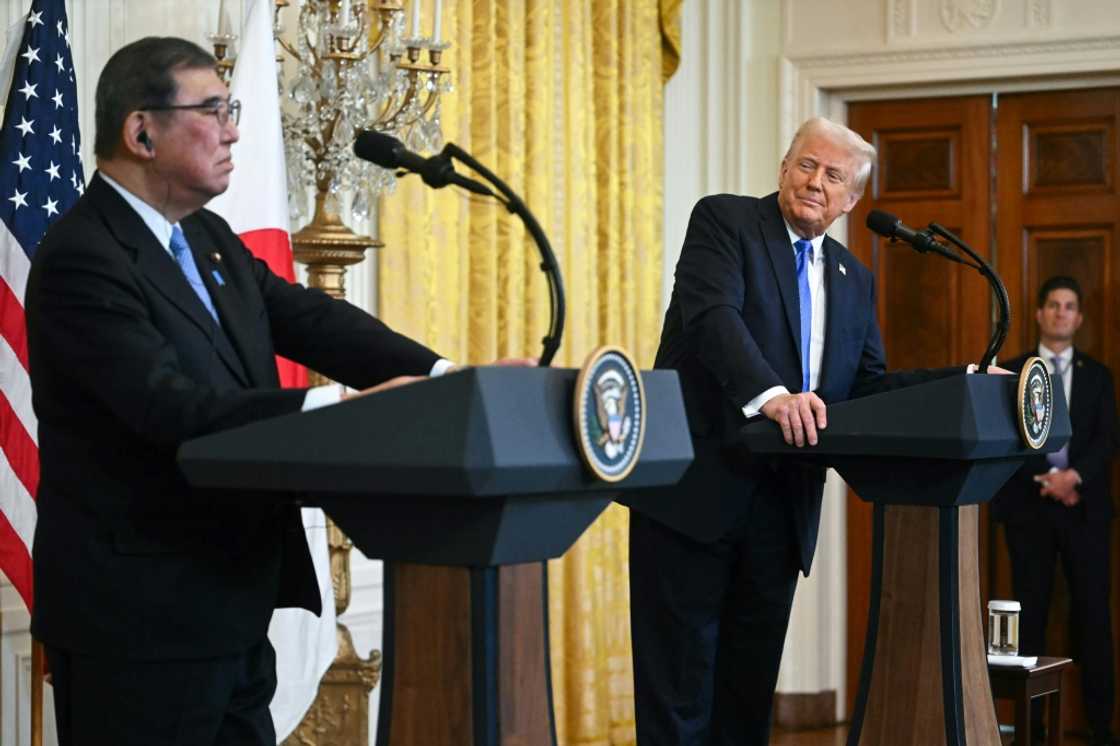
{"points": [[20, 449], [15, 560], [292, 375], [275, 248], [12, 325]]}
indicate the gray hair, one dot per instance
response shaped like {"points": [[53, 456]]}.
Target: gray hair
{"points": [[137, 75], [860, 149]]}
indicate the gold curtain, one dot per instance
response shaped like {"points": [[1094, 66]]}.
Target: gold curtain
{"points": [[563, 99]]}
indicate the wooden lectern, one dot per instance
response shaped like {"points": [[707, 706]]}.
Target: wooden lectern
{"points": [[926, 457], [464, 485]]}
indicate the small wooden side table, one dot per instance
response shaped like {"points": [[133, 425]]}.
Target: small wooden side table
{"points": [[1023, 685]]}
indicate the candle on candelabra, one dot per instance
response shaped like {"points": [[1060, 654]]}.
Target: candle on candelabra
{"points": [[437, 26], [344, 12], [225, 28], [416, 19]]}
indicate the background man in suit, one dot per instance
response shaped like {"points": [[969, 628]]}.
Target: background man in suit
{"points": [[1060, 505], [150, 323], [768, 316]]}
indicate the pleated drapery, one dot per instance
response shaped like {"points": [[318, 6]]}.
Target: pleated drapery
{"points": [[563, 100]]}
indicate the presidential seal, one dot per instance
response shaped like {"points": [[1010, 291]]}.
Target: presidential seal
{"points": [[610, 413], [1036, 403]]}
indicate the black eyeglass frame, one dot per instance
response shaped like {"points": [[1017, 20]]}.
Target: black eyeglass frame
{"points": [[223, 110]]}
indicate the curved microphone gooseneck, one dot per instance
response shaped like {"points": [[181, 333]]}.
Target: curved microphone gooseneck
{"points": [[437, 172], [889, 226], [999, 336], [549, 265]]}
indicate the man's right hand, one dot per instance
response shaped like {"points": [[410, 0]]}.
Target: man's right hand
{"points": [[799, 415]]}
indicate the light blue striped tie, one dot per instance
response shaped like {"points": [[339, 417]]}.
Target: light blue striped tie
{"points": [[182, 252], [805, 301]]}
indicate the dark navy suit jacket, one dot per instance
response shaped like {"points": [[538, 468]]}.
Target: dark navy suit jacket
{"points": [[1092, 414], [732, 330], [126, 364]]}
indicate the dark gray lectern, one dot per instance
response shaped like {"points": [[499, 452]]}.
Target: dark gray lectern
{"points": [[926, 456], [465, 485]]}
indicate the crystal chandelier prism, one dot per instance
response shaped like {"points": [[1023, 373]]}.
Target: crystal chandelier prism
{"points": [[355, 68]]}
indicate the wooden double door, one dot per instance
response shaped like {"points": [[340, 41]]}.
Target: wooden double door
{"points": [[1031, 182]]}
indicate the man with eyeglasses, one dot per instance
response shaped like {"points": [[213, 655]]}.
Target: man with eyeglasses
{"points": [[150, 323]]}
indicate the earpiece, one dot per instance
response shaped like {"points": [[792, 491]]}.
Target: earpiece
{"points": [[144, 140]]}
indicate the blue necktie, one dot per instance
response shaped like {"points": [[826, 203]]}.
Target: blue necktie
{"points": [[182, 252], [1059, 459], [805, 301]]}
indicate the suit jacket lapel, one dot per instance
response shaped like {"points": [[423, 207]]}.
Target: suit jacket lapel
{"points": [[153, 261], [1077, 373], [776, 238], [835, 298], [231, 310]]}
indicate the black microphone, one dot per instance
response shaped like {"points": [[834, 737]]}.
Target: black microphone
{"points": [[889, 226], [389, 152], [437, 171]]}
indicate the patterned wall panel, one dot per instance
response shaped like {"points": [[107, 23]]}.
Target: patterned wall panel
{"points": [[920, 164], [1069, 157], [924, 291]]}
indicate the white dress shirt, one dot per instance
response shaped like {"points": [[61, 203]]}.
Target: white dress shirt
{"points": [[815, 272], [161, 228], [159, 225]]}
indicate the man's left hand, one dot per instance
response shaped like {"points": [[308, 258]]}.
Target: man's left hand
{"points": [[1070, 500], [1060, 485]]}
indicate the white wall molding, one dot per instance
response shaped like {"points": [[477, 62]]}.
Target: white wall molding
{"points": [[1011, 58]]}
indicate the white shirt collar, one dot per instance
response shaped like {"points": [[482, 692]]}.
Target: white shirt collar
{"points": [[1066, 355], [817, 242], [157, 223]]}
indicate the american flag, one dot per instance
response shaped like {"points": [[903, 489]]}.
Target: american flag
{"points": [[40, 179]]}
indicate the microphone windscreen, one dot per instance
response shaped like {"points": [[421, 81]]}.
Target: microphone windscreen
{"points": [[379, 148], [882, 223]]}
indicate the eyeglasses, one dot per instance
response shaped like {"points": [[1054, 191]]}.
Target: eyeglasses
{"points": [[223, 111]]}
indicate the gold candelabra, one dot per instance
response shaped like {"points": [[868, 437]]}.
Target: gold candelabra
{"points": [[223, 44], [354, 69]]}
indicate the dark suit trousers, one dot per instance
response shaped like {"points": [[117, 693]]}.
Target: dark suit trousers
{"points": [[1083, 546], [708, 622], [208, 702]]}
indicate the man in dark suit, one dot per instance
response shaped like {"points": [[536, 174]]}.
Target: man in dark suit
{"points": [[1060, 505], [768, 317], [150, 323]]}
